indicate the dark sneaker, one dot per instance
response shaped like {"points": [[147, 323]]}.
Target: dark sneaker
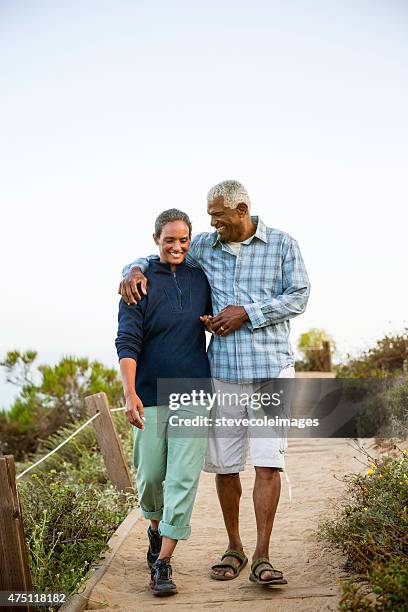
{"points": [[161, 582], [155, 543]]}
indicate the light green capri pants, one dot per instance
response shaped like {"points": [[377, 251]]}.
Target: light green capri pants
{"points": [[168, 458]]}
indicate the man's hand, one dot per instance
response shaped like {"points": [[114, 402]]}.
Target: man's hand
{"points": [[128, 287], [134, 410], [229, 320], [207, 320]]}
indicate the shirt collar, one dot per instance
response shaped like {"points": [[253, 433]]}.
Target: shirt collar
{"points": [[260, 233], [162, 266]]}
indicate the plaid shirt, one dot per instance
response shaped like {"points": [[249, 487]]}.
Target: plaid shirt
{"points": [[269, 279]]}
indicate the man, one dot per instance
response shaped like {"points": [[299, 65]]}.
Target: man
{"points": [[258, 282]]}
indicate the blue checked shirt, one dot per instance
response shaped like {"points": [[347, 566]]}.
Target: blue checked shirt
{"points": [[269, 279]]}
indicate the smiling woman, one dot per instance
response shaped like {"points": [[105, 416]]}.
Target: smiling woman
{"points": [[162, 337], [172, 235]]}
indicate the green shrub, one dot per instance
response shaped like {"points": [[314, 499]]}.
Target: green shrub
{"points": [[67, 524], [388, 357], [311, 348], [50, 397], [69, 508], [372, 531], [385, 412], [389, 592]]}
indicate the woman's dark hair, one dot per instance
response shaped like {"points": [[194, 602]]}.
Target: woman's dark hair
{"points": [[172, 214]]}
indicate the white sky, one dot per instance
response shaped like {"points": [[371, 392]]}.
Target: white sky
{"points": [[112, 111]]}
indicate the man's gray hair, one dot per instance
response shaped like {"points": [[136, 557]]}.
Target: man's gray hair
{"points": [[172, 214], [233, 193]]}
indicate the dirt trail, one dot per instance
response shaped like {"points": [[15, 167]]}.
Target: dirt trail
{"points": [[310, 568]]}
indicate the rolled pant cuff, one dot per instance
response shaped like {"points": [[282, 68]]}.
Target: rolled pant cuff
{"points": [[155, 515], [174, 533]]}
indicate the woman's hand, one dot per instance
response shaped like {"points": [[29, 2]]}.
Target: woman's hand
{"points": [[134, 410], [207, 320]]}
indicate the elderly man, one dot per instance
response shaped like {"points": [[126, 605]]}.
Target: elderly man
{"points": [[258, 282]]}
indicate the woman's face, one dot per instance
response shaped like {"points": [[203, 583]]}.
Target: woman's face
{"points": [[173, 242]]}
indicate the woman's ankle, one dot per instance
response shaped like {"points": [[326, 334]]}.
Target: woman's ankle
{"points": [[167, 548]]}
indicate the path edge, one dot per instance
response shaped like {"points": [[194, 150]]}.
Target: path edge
{"points": [[78, 601]]}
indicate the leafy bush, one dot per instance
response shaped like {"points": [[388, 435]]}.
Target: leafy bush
{"points": [[385, 413], [387, 358], [389, 592], [69, 508], [372, 530], [50, 397], [67, 525], [311, 345]]}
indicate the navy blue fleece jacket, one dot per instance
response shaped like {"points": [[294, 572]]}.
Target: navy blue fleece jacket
{"points": [[163, 332]]}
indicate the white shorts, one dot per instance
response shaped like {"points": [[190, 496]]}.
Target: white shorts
{"points": [[228, 446]]}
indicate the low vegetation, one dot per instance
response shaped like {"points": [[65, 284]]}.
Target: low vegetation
{"points": [[388, 357], [69, 508], [67, 525], [49, 397], [371, 529], [311, 346]]}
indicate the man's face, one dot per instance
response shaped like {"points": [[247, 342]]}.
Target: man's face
{"points": [[227, 221]]}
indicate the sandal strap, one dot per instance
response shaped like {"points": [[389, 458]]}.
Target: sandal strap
{"points": [[261, 561], [234, 553]]}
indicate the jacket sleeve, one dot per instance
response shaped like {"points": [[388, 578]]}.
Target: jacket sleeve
{"points": [[141, 262], [209, 309], [130, 330], [294, 297]]}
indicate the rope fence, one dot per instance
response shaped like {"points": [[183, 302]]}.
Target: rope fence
{"points": [[14, 568], [31, 467]]}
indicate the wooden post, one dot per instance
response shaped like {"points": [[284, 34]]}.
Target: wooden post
{"points": [[14, 570], [327, 360], [109, 442]]}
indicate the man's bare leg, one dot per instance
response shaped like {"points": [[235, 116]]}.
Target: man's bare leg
{"points": [[266, 495], [229, 492]]}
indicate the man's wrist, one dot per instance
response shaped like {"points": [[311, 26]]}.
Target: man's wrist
{"points": [[244, 315], [255, 315]]}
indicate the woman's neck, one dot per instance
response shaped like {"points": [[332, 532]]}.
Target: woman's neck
{"points": [[173, 267]]}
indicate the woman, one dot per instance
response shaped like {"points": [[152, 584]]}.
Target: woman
{"points": [[162, 337]]}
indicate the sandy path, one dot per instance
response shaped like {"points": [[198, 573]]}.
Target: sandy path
{"points": [[310, 568]]}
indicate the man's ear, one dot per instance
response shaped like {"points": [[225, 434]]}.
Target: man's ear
{"points": [[242, 209], [155, 239]]}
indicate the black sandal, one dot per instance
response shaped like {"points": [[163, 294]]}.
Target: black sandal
{"points": [[256, 576], [155, 542], [161, 583], [230, 566]]}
